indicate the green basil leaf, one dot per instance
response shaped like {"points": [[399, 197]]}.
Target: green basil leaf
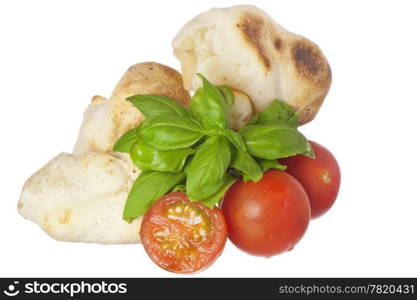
{"points": [[179, 188], [235, 139], [170, 132], [276, 111], [213, 200], [274, 141], [155, 106], [207, 170], [125, 142], [270, 164], [245, 163], [148, 187], [146, 157], [209, 107], [227, 94]]}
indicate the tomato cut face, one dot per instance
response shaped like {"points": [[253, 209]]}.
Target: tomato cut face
{"points": [[182, 236]]}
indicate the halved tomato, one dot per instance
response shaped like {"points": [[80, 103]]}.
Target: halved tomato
{"points": [[183, 236]]}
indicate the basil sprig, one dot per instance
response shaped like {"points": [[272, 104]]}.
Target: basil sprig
{"points": [[194, 150]]}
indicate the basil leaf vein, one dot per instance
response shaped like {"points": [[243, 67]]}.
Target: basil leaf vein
{"points": [[155, 106], [170, 132]]}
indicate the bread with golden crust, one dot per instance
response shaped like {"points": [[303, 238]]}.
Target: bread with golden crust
{"points": [[106, 120], [80, 197], [244, 48]]}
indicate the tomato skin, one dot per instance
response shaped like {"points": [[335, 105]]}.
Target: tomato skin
{"points": [[169, 237], [268, 217], [320, 177]]}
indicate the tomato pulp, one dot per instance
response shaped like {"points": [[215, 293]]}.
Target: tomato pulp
{"points": [[182, 236]]}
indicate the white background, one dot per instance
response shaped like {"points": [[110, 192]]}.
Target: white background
{"points": [[54, 55]]}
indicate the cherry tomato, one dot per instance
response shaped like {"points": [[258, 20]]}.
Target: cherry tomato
{"points": [[320, 177], [182, 236], [268, 217]]}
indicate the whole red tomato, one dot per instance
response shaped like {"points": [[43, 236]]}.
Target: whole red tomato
{"points": [[320, 177], [267, 217]]}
